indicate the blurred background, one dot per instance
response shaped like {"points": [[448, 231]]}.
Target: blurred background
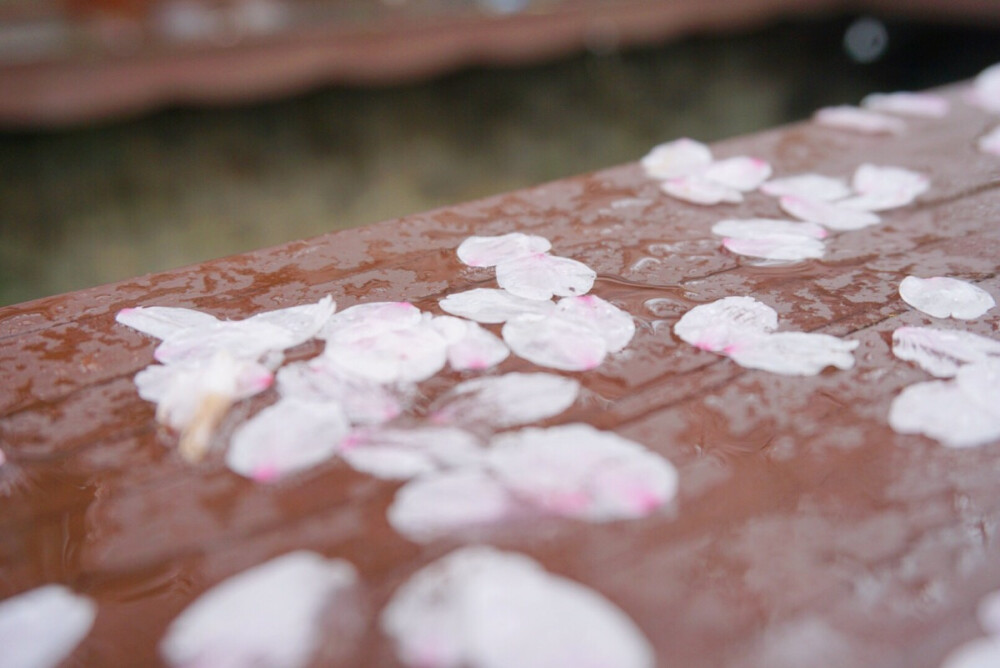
{"points": [[141, 135]]}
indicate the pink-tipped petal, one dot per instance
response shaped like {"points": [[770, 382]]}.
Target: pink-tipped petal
{"points": [[696, 189], [491, 251], [407, 355], [470, 347], [614, 325], [831, 216], [366, 320], [554, 342], [540, 276], [726, 322], [509, 400], [676, 158], [740, 173], [922, 105], [808, 186], [491, 305], [942, 352], [944, 297], [861, 121], [41, 628]]}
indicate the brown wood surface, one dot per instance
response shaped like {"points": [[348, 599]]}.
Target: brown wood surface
{"points": [[806, 531]]}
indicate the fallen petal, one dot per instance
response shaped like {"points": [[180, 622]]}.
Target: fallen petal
{"points": [[321, 381], [301, 322], [164, 321], [491, 251], [808, 186], [240, 339], [986, 89], [778, 248], [990, 142], [766, 228], [725, 322], [367, 320], [980, 383], [490, 305], [941, 410], [831, 216], [858, 120], [554, 342], [289, 436], [944, 297], [482, 608], [470, 347], [540, 276], [941, 352], [696, 189], [614, 325], [740, 173], [509, 400], [407, 355], [404, 453], [978, 653], [924, 105], [794, 353], [883, 188], [676, 158], [269, 615], [41, 628]]}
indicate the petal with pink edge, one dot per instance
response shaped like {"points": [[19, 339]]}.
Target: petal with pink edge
{"points": [[676, 158], [491, 251], [479, 607], [614, 325], [696, 189], [941, 352], [449, 502], [407, 355], [404, 453], [858, 120], [274, 614], [470, 347], [884, 188], [990, 142], [367, 320], [41, 627], [577, 471], [540, 276], [164, 321], [808, 186], [554, 342], [726, 322], [944, 297], [509, 400], [794, 353], [320, 380], [490, 305], [286, 437], [741, 173], [830, 215], [923, 105]]}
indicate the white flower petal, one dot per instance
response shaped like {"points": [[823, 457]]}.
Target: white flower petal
{"points": [[442, 503], [289, 436], [941, 410], [766, 228], [941, 352], [988, 613], [301, 322], [405, 453], [778, 248], [696, 189], [540, 276], [614, 325], [676, 158], [990, 142], [490, 305], [980, 383], [240, 339], [483, 608], [164, 321], [470, 347], [808, 186], [725, 322], [319, 380], [741, 173], [944, 297], [491, 251], [986, 89], [829, 215], [924, 105], [268, 615], [506, 401], [883, 188], [555, 342], [978, 653], [367, 320], [858, 120], [794, 353], [407, 355], [41, 628], [577, 471]]}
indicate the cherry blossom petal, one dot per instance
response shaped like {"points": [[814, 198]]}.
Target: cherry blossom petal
{"points": [[540, 276], [941, 352], [978, 653], [858, 120], [988, 613], [405, 453], [509, 400], [777, 248], [831, 216], [289, 436], [319, 380], [443, 503], [794, 353], [696, 189], [491, 305], [741, 173], [924, 105], [164, 321], [765, 228], [614, 325], [986, 89], [491, 251], [479, 607], [391, 356], [676, 158], [808, 186], [725, 322], [241, 339], [41, 628], [470, 347], [301, 322], [941, 410], [990, 142], [556, 343], [883, 188], [577, 471], [980, 382], [944, 297], [269, 615], [367, 320]]}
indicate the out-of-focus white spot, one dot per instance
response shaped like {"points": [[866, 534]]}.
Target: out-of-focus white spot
{"points": [[866, 40]]}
